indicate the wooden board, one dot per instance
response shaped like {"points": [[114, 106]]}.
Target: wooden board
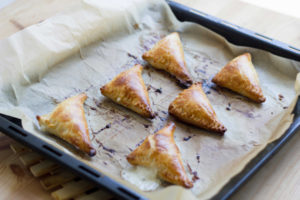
{"points": [[61, 183], [279, 179], [16, 181]]}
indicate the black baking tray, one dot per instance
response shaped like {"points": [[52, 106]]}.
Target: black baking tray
{"points": [[234, 34]]}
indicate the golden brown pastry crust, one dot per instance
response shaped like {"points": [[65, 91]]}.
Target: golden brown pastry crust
{"points": [[160, 151], [193, 107], [129, 90], [239, 75], [68, 122], [167, 54]]}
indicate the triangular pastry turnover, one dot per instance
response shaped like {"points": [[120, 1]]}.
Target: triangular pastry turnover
{"points": [[68, 122], [159, 151], [193, 107], [167, 55], [128, 89], [239, 75]]}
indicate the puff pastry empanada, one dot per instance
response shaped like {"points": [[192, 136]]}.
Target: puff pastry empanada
{"points": [[68, 122], [193, 107], [239, 75], [129, 90], [160, 151], [168, 55]]}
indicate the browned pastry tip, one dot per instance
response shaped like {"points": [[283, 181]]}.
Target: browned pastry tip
{"points": [[68, 122], [159, 151], [193, 107], [239, 75], [128, 89], [167, 54]]}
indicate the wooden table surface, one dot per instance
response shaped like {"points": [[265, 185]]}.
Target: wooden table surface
{"points": [[279, 179]]}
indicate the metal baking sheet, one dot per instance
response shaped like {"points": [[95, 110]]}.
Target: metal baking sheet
{"points": [[234, 35]]}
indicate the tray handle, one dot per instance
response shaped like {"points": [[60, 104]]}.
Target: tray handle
{"points": [[233, 33]]}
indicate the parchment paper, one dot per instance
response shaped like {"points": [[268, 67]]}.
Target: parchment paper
{"points": [[85, 47]]}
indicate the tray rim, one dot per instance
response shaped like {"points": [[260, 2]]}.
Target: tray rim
{"points": [[11, 127], [233, 33]]}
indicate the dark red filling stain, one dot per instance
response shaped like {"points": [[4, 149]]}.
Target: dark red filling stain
{"points": [[164, 112], [187, 138], [195, 177], [138, 144], [93, 108], [228, 107], [200, 70], [102, 129], [198, 158], [194, 173], [246, 113], [112, 151], [132, 56], [280, 97], [207, 85], [162, 118], [156, 90]]}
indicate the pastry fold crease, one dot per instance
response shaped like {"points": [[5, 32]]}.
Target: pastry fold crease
{"points": [[128, 89], [68, 122], [160, 152], [193, 107], [167, 54], [239, 75]]}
